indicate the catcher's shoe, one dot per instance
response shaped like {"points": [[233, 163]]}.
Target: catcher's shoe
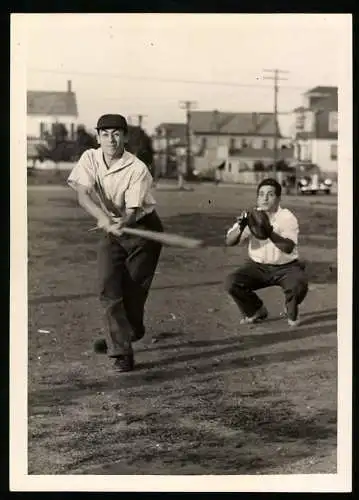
{"points": [[294, 322], [125, 363], [260, 315], [291, 321]]}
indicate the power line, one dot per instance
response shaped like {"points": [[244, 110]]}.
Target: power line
{"points": [[166, 80], [119, 99], [276, 78]]}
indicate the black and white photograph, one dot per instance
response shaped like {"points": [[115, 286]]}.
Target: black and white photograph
{"points": [[181, 280]]}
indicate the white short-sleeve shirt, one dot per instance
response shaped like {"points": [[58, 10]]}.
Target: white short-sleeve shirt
{"points": [[126, 184], [285, 224]]}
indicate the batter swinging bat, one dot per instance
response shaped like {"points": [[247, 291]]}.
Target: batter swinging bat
{"points": [[170, 239]]}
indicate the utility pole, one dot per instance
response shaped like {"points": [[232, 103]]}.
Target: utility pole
{"points": [[167, 148], [139, 119], [188, 106], [276, 78]]}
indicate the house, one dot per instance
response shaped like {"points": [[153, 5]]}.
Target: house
{"points": [[169, 142], [45, 108], [243, 141], [316, 128]]}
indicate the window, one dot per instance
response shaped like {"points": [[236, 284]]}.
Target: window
{"points": [[244, 143], [264, 143], [300, 121], [229, 167], [232, 144], [298, 155], [333, 121], [305, 153], [333, 151]]}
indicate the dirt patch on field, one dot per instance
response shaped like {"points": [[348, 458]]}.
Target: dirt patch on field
{"points": [[208, 396]]}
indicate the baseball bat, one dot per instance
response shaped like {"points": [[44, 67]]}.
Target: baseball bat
{"points": [[170, 239]]}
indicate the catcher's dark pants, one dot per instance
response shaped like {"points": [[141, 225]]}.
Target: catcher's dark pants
{"points": [[253, 276], [127, 266]]}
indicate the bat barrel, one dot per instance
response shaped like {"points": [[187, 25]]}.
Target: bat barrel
{"points": [[164, 238]]}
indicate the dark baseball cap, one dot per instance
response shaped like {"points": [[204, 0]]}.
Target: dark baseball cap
{"points": [[112, 121]]}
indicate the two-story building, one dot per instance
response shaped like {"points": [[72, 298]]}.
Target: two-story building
{"points": [[316, 130], [45, 108], [241, 141]]}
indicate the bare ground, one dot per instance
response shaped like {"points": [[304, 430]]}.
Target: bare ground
{"points": [[208, 396]]}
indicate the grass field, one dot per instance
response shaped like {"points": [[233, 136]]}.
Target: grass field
{"points": [[208, 396]]}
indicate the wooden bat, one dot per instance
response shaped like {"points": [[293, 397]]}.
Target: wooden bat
{"points": [[170, 239]]}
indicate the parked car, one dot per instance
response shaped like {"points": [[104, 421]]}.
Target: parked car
{"points": [[307, 178], [313, 185]]}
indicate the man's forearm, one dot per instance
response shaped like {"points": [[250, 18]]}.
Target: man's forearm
{"points": [[90, 206], [234, 236], [284, 244]]}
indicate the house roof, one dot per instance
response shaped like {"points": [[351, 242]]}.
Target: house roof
{"points": [[329, 103], [321, 89], [176, 129], [229, 123], [51, 103]]}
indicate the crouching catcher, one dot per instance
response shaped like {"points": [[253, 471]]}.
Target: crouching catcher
{"points": [[273, 260]]}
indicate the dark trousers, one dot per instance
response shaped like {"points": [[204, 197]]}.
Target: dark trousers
{"points": [[127, 265], [253, 276]]}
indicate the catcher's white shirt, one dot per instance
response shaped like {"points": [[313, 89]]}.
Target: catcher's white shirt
{"points": [[285, 224], [126, 184]]}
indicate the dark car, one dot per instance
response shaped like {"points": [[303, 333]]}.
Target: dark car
{"points": [[313, 185], [307, 178]]}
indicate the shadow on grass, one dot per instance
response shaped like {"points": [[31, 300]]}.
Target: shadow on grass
{"points": [[242, 342], [150, 372], [229, 445], [209, 453], [308, 319]]}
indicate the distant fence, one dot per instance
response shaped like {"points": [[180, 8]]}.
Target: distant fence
{"points": [[50, 165], [251, 177]]}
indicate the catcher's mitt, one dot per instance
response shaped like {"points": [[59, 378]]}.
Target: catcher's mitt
{"points": [[242, 220], [259, 224]]}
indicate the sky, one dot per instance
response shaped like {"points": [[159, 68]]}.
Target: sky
{"points": [[142, 63]]}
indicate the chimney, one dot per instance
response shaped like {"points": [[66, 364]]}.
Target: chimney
{"points": [[69, 88], [215, 114]]}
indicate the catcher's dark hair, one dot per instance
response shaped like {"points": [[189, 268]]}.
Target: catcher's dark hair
{"points": [[271, 182]]}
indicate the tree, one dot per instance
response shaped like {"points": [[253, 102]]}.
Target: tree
{"points": [[140, 144], [84, 141], [56, 147]]}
